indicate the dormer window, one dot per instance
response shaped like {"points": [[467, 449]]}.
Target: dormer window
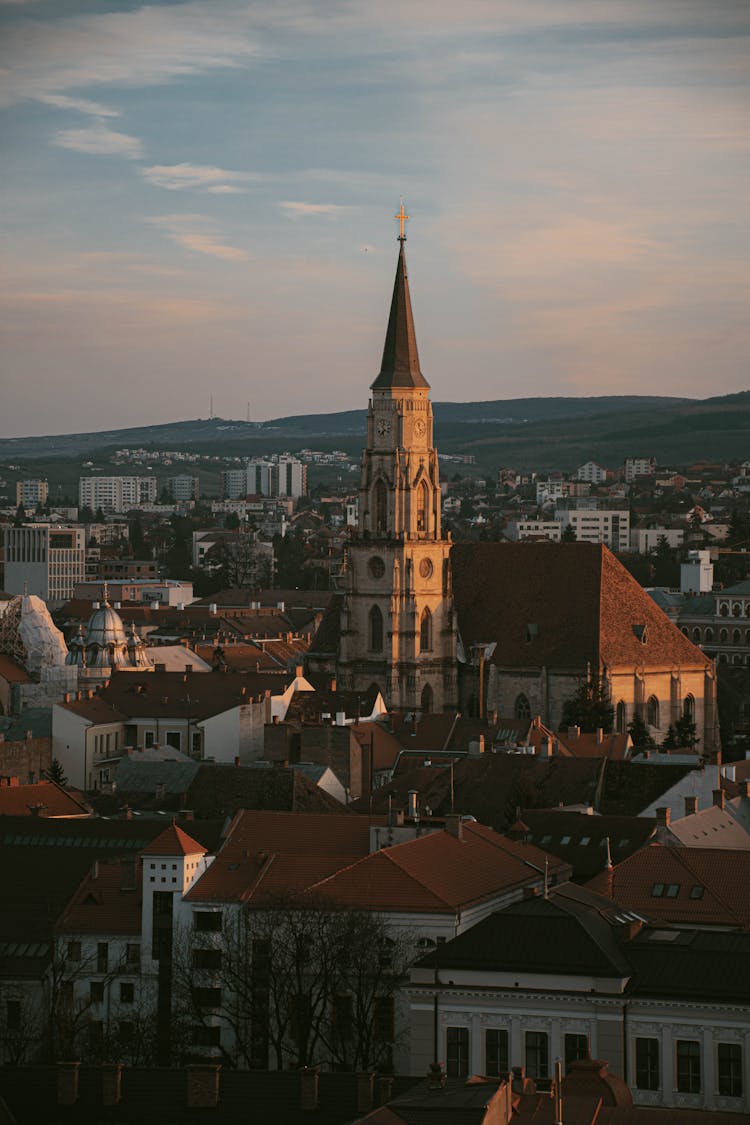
{"points": [[641, 633]]}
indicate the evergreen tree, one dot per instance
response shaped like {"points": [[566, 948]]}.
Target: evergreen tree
{"points": [[20, 519], [569, 534], [590, 707], [56, 773], [639, 733]]}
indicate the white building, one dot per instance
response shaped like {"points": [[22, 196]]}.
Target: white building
{"points": [[184, 487], [592, 472], [279, 476], [646, 539], [115, 494], [44, 560], [608, 526], [639, 467], [535, 529]]}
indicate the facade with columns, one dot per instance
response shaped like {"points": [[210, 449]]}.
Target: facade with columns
{"points": [[397, 620]]}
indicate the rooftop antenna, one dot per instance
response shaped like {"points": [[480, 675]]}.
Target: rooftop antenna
{"points": [[546, 876], [211, 407], [248, 411]]}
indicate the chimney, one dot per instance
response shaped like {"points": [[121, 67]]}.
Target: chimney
{"points": [[332, 685], [365, 1091], [188, 669], [385, 1088], [744, 787], [729, 772], [574, 732], [203, 1085], [546, 747], [454, 826], [412, 812], [663, 814], [691, 806], [127, 876], [160, 667], [341, 718], [718, 796], [111, 1083], [67, 1083], [236, 759], [599, 736], [308, 1087], [298, 672], [435, 1077]]}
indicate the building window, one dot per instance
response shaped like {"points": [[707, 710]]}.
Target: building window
{"points": [[207, 997], [74, 951], [652, 711], [102, 957], [376, 630], [204, 1036], [522, 707], [127, 992], [730, 1070], [427, 698], [13, 1015], [425, 631], [174, 739], [457, 1051], [208, 921], [647, 1064], [696, 636], [383, 1020], [423, 507], [621, 717], [96, 991], [709, 635], [149, 738], [496, 1052], [537, 1054], [723, 636], [209, 959], [576, 1047], [688, 708], [688, 1066], [380, 506], [133, 956]]}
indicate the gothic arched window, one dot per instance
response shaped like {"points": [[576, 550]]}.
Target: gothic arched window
{"points": [[696, 636], [652, 711], [709, 634], [376, 630], [423, 506], [522, 707], [688, 708], [380, 507], [427, 697], [425, 631], [621, 717]]}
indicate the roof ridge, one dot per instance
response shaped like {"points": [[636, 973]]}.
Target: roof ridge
{"points": [[381, 854], [714, 894]]}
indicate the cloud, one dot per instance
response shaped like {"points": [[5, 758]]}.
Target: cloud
{"points": [[297, 209], [149, 46], [98, 140], [81, 105], [198, 234], [197, 177]]}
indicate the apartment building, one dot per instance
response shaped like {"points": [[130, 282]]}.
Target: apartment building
{"points": [[116, 494], [44, 560], [31, 492]]}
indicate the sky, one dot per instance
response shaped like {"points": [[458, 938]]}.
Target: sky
{"points": [[198, 201]]}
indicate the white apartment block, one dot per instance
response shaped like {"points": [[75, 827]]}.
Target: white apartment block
{"points": [[645, 539], [558, 489], [115, 494], [44, 560], [31, 492], [639, 467], [282, 476], [535, 529], [607, 526], [184, 487], [592, 472]]}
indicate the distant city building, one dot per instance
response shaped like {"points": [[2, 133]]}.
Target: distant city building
{"points": [[535, 529], [592, 525], [639, 467], [697, 574], [592, 472], [44, 560], [560, 489], [32, 492], [115, 494], [166, 591], [645, 539], [281, 476], [184, 487]]}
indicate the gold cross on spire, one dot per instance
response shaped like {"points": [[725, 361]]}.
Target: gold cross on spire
{"points": [[402, 217]]}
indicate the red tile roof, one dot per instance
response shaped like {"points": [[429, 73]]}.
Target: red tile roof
{"points": [[108, 901], [271, 854], [11, 672], [173, 841], [439, 872], [49, 799], [585, 605], [721, 882]]}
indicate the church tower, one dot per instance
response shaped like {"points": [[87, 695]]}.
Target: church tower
{"points": [[397, 628]]}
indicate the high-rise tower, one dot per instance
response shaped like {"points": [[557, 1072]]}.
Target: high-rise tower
{"points": [[397, 628]]}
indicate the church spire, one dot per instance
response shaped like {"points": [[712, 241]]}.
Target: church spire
{"points": [[400, 366]]}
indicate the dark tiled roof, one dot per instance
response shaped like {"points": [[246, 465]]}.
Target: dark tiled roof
{"points": [[173, 841], [570, 932], [220, 790], [630, 787], [50, 799], [494, 786], [580, 839], [585, 605], [108, 901], [713, 966]]}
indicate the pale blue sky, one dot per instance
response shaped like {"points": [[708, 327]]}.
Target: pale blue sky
{"points": [[198, 199]]}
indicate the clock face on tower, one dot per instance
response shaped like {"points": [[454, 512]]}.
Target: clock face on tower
{"points": [[384, 427], [420, 428]]}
